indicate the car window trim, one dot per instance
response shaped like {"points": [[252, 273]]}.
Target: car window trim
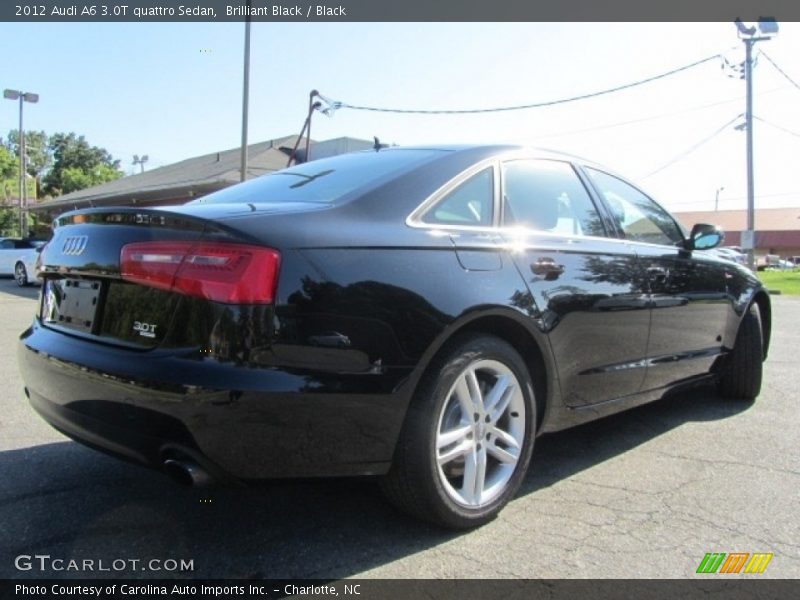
{"points": [[518, 230], [613, 230]]}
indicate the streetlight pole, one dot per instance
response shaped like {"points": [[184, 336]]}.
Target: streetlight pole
{"points": [[140, 161], [23, 200], [716, 198], [245, 91]]}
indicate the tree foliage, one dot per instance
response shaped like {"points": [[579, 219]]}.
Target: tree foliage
{"points": [[61, 163], [9, 222], [8, 164], [74, 178], [77, 165], [9, 175], [37, 148]]}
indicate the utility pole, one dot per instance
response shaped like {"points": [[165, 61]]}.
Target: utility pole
{"points": [[748, 120], [768, 27]]}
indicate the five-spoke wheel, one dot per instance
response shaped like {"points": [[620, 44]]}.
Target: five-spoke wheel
{"points": [[468, 435], [481, 432]]}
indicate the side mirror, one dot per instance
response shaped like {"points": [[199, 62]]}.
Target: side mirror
{"points": [[704, 237]]}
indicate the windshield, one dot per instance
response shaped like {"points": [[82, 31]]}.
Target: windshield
{"points": [[326, 180]]}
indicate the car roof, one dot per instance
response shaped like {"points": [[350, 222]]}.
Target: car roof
{"points": [[499, 148]]}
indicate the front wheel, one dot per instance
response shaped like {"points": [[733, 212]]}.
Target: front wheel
{"points": [[20, 275], [468, 436], [740, 376]]}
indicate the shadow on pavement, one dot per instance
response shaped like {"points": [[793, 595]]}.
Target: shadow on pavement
{"points": [[560, 455], [67, 501], [10, 287]]}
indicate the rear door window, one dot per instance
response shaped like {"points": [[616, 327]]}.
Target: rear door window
{"points": [[547, 195]]}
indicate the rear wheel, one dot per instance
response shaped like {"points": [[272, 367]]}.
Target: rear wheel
{"points": [[468, 437], [740, 377], [20, 274]]}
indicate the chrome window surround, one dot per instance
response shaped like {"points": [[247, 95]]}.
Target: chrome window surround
{"points": [[415, 218]]}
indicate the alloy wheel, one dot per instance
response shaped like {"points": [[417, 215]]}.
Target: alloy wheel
{"points": [[21, 275], [480, 433]]}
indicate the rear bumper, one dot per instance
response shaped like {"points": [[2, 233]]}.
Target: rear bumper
{"points": [[233, 419]]}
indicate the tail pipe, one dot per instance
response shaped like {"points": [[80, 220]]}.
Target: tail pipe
{"points": [[187, 472]]}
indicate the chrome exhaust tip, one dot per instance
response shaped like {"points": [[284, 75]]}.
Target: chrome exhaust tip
{"points": [[187, 472]]}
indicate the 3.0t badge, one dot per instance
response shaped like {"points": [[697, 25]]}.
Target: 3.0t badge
{"points": [[145, 329]]}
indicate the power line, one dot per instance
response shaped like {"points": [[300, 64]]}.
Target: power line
{"points": [[789, 131], [740, 99], [781, 71], [738, 198], [634, 121], [334, 105], [694, 147]]}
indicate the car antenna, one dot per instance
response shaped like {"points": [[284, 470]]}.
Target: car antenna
{"points": [[377, 146]]}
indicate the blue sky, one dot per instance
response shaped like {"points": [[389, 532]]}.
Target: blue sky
{"points": [[173, 91]]}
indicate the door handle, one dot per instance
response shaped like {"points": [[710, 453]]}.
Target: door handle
{"points": [[547, 268], [657, 274]]}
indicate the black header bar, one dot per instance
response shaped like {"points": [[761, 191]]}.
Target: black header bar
{"points": [[709, 586], [395, 10]]}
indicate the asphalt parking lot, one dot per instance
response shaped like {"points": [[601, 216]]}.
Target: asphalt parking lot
{"points": [[642, 494]]}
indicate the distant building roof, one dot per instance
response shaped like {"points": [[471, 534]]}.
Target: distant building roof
{"points": [[766, 219], [198, 176]]}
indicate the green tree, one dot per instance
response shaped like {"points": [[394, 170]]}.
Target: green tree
{"points": [[9, 222], [37, 148], [9, 169], [8, 164], [77, 165], [74, 178]]}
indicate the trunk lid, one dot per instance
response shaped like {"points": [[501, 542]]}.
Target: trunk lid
{"points": [[84, 292]]}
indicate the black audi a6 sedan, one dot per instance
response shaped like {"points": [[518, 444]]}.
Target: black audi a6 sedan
{"points": [[418, 314]]}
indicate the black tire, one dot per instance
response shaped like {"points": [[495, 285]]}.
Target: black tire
{"points": [[417, 484], [20, 275], [740, 376]]}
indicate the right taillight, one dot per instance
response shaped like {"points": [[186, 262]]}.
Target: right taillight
{"points": [[229, 273]]}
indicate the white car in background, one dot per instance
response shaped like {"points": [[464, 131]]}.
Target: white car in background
{"points": [[729, 253], [18, 258]]}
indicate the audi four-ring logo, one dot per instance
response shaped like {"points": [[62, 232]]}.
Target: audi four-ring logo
{"points": [[74, 245]]}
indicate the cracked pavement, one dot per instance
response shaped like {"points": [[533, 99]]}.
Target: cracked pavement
{"points": [[645, 493]]}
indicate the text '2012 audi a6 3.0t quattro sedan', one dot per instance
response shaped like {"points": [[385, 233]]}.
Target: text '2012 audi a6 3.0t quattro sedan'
{"points": [[417, 314]]}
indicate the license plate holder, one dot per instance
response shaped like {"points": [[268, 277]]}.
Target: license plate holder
{"points": [[70, 303]]}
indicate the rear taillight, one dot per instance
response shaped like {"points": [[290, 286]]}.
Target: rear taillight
{"points": [[229, 273]]}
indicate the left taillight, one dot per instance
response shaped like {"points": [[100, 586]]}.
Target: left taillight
{"points": [[228, 273]]}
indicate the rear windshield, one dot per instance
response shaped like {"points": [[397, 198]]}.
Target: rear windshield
{"points": [[327, 180]]}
